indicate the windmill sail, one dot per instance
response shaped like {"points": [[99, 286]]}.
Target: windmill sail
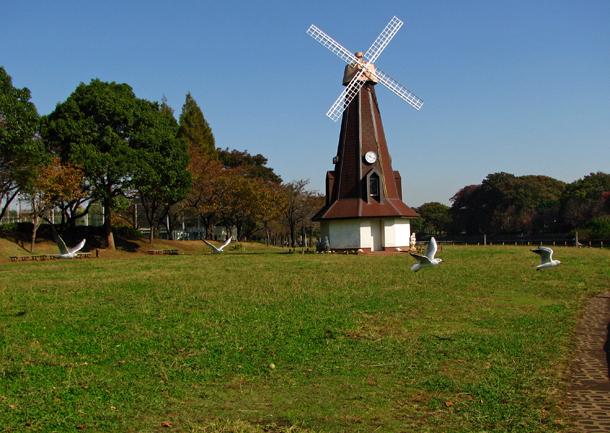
{"points": [[333, 46], [358, 80], [348, 94], [398, 89], [383, 40]]}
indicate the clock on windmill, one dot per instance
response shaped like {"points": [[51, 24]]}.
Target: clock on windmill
{"points": [[370, 157]]}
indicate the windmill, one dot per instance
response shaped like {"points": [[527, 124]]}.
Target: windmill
{"points": [[364, 208], [364, 65]]}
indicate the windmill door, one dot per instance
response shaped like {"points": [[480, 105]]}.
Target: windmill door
{"points": [[376, 234]]}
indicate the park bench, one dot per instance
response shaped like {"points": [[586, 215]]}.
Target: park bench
{"points": [[22, 258], [173, 251]]}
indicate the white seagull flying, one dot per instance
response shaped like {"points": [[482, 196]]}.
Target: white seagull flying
{"points": [[427, 260], [546, 258], [64, 252], [216, 249]]}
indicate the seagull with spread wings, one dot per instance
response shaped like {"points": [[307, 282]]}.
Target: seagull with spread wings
{"points": [[427, 260], [64, 252], [546, 258], [216, 249]]}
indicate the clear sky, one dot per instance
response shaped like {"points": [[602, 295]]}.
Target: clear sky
{"points": [[516, 86]]}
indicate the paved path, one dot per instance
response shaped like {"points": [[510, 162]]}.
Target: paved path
{"points": [[590, 390]]}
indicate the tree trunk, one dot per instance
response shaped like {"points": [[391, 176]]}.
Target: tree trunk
{"points": [[209, 231], [9, 199], [108, 225], [292, 234], [169, 224], [267, 234], [34, 230]]}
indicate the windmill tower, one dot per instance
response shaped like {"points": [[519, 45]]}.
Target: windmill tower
{"points": [[364, 208]]}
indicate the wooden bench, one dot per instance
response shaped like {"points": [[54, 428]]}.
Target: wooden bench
{"points": [[84, 255], [22, 258], [172, 252]]}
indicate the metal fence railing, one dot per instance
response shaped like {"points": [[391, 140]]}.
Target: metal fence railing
{"points": [[556, 239]]}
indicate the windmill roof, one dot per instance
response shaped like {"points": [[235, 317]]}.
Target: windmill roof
{"points": [[358, 208]]}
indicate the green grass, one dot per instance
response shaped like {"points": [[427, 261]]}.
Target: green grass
{"points": [[359, 343]]}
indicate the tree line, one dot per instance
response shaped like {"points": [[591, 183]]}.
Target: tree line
{"points": [[104, 145], [507, 204]]}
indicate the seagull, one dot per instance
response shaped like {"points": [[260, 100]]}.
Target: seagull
{"points": [[427, 260], [216, 249], [546, 258], [64, 252]]}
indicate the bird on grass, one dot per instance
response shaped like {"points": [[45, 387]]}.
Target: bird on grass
{"points": [[216, 249], [427, 260], [546, 258], [64, 252]]}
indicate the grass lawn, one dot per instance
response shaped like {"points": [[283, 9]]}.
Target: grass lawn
{"points": [[481, 343]]}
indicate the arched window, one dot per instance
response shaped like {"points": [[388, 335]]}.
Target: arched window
{"points": [[373, 183], [374, 186]]}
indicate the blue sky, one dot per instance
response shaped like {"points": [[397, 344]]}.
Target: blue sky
{"points": [[516, 86]]}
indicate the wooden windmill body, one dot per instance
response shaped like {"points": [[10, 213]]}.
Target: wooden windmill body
{"points": [[364, 208]]}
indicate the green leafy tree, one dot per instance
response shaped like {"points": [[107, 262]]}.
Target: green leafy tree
{"points": [[20, 149], [436, 217], [194, 129], [466, 210], [254, 166], [505, 203], [598, 227], [523, 201], [582, 198], [113, 136], [162, 178]]}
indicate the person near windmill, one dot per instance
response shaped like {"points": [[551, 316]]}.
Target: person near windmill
{"points": [[352, 69]]}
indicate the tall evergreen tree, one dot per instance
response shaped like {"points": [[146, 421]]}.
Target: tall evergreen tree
{"points": [[194, 129]]}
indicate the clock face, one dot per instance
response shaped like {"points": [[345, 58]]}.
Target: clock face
{"points": [[370, 157]]}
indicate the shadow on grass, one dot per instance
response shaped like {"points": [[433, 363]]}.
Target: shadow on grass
{"points": [[21, 235]]}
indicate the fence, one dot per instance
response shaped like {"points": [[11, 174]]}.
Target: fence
{"points": [[557, 239]]}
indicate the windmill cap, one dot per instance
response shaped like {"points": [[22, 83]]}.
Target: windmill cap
{"points": [[359, 54]]}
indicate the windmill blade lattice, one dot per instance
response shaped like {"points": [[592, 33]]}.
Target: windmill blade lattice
{"points": [[383, 40], [398, 89], [331, 44], [348, 94]]}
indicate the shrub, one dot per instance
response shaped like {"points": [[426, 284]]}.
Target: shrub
{"points": [[127, 232], [599, 227]]}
